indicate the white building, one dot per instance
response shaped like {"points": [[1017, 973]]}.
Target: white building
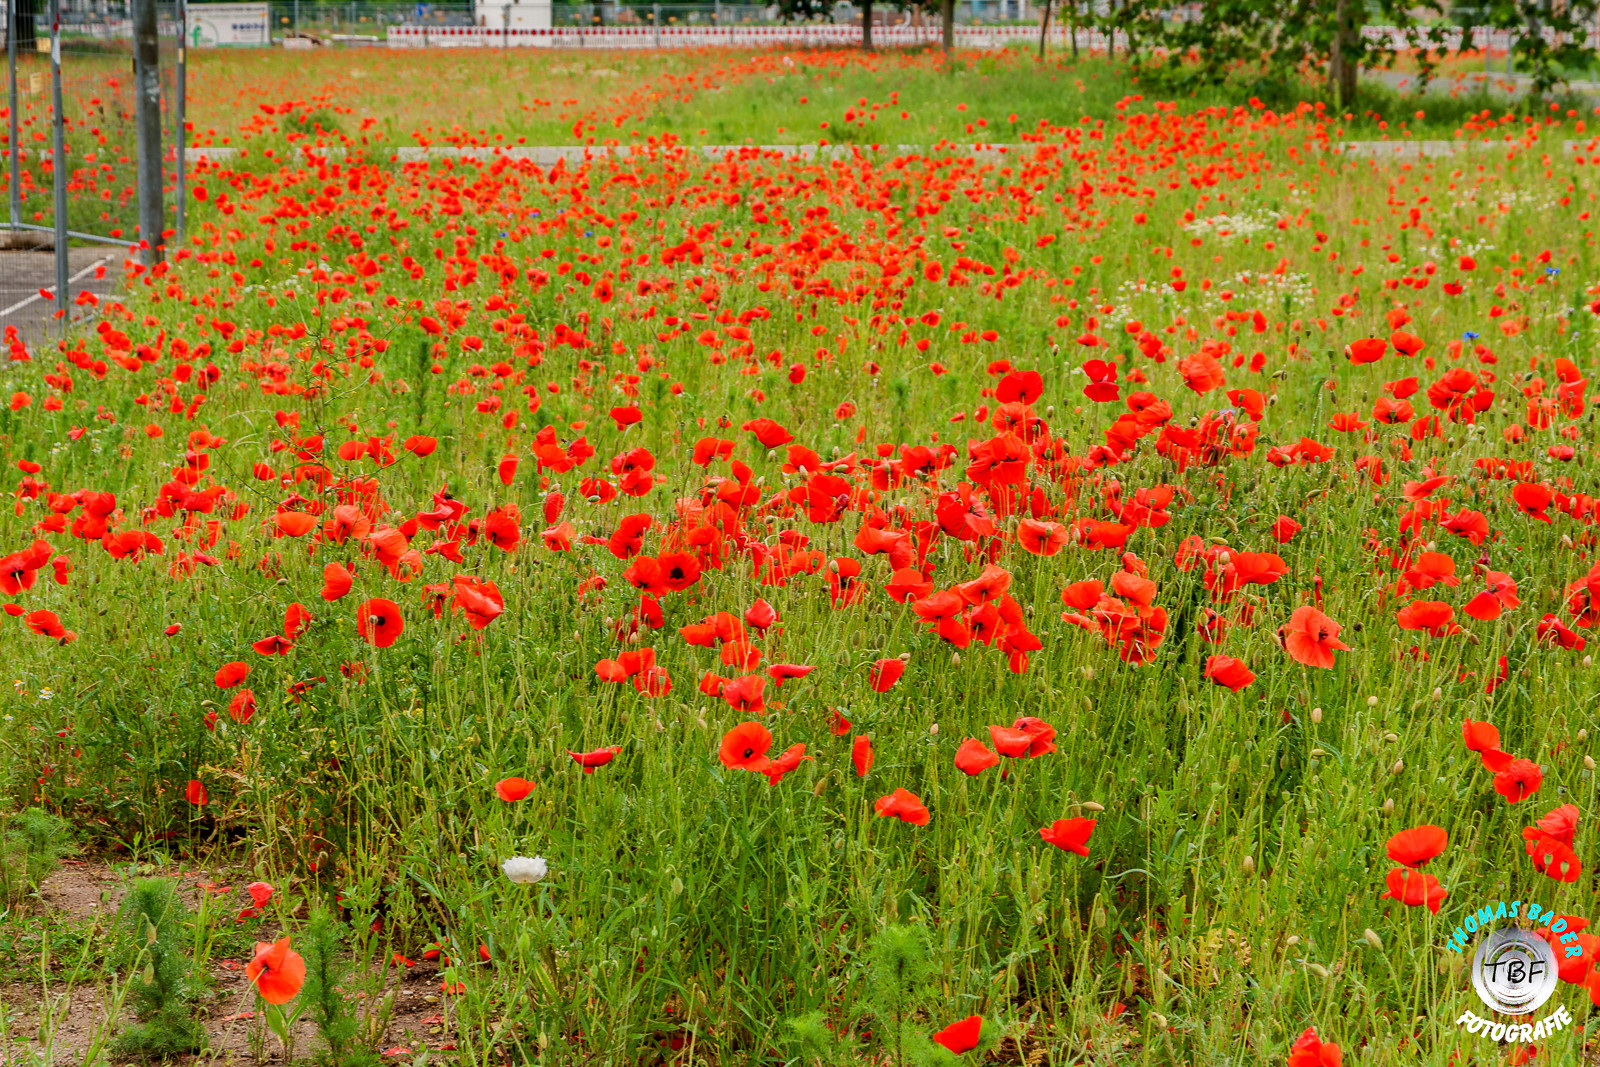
{"points": [[512, 14]]}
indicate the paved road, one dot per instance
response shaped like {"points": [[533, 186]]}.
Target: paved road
{"points": [[24, 273]]}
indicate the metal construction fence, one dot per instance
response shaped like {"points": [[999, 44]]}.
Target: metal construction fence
{"points": [[79, 169], [358, 21]]}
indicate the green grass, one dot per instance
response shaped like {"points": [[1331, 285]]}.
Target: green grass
{"points": [[1237, 862]]}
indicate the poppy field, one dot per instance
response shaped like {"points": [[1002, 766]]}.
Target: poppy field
{"points": [[1097, 578]]}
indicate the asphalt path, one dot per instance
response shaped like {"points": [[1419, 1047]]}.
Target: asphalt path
{"points": [[24, 273]]}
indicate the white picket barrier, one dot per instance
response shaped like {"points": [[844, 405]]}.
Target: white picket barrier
{"points": [[732, 36]]}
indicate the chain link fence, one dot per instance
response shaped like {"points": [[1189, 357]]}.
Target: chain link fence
{"points": [[72, 158]]}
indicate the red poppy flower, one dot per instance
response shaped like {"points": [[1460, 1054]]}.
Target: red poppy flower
{"points": [[242, 707], [597, 757], [1312, 638], [788, 761], [974, 757], [1225, 670], [1434, 616], [746, 694], [961, 1036], [513, 789], [336, 581], [295, 619], [1041, 538], [1413, 888], [1560, 823], [273, 646], [231, 674], [1554, 858], [769, 433], [379, 622], [745, 747], [195, 792], [47, 624], [783, 672], [904, 805], [1069, 834], [1041, 732], [1366, 350], [861, 755], [1009, 742], [1308, 1051], [479, 601], [277, 971], [1418, 845], [1519, 781], [884, 673]]}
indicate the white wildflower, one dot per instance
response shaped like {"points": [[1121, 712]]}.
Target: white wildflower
{"points": [[525, 871]]}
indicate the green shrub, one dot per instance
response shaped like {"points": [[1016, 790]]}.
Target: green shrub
{"points": [[161, 989], [31, 846]]}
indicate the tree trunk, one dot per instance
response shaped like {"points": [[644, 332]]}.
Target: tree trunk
{"points": [[1343, 65], [866, 25], [1044, 28], [947, 29]]}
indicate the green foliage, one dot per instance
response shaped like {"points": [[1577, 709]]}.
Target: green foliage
{"points": [[31, 846], [323, 994], [1233, 41], [161, 989]]}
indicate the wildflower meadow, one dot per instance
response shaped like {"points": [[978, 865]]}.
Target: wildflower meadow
{"points": [[864, 558]]}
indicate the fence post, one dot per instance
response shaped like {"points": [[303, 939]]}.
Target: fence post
{"points": [[182, 90], [58, 159], [147, 122], [11, 54], [655, 20]]}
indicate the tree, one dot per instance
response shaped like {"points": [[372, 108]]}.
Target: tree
{"points": [[1277, 40]]}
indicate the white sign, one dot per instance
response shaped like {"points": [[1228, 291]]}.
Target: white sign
{"points": [[228, 26]]}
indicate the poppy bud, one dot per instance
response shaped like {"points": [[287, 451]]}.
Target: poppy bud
{"points": [[1388, 806], [1372, 938], [1158, 1020], [1372, 702], [934, 729], [1249, 865], [1588, 763], [1092, 805], [1399, 765], [1438, 694], [1316, 714]]}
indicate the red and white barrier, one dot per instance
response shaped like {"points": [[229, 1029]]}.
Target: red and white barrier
{"points": [[799, 34], [822, 35]]}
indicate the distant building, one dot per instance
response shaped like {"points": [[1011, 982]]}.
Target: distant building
{"points": [[512, 14]]}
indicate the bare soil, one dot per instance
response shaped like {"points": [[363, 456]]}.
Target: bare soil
{"points": [[57, 1023]]}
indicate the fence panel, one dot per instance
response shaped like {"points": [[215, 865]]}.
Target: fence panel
{"points": [[98, 156]]}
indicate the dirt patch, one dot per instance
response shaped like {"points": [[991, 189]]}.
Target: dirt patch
{"points": [[60, 1023]]}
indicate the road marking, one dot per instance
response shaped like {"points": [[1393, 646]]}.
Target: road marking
{"points": [[19, 306]]}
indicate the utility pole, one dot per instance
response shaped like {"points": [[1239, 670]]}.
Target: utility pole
{"points": [[11, 54], [58, 159], [147, 120], [182, 133]]}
